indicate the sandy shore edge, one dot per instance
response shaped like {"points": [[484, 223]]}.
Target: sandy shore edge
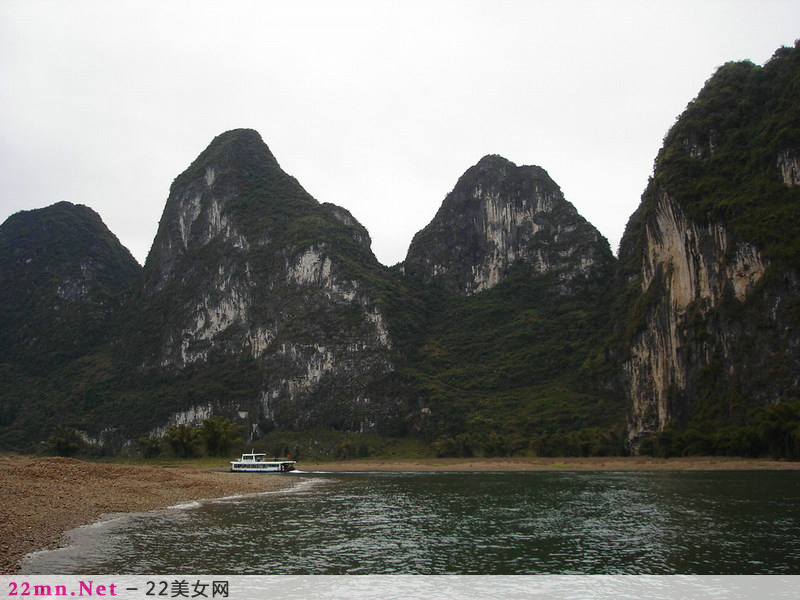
{"points": [[43, 498]]}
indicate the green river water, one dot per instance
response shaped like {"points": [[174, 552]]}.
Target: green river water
{"points": [[743, 522]]}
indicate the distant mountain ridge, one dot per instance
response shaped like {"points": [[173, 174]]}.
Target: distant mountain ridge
{"points": [[510, 327]]}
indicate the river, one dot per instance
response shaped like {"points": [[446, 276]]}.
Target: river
{"points": [[645, 523]]}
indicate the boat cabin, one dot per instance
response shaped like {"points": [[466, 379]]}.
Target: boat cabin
{"points": [[258, 463]]}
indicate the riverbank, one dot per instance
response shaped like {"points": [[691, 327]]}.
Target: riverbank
{"points": [[596, 463], [43, 498]]}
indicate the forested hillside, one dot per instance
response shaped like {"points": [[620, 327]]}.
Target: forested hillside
{"points": [[263, 316]]}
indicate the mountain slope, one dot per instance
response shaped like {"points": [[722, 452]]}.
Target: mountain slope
{"points": [[714, 250], [249, 274], [516, 347], [63, 278], [62, 273], [499, 215]]}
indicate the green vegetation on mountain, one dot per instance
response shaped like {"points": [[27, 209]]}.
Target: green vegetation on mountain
{"points": [[721, 157], [729, 161], [63, 275], [510, 329], [772, 431], [518, 361], [63, 280]]}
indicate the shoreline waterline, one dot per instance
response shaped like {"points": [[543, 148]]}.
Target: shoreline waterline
{"points": [[74, 538], [42, 499], [511, 464], [494, 523]]}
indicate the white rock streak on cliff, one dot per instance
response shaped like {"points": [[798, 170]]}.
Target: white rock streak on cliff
{"points": [[241, 311], [500, 215], [696, 266], [789, 165]]}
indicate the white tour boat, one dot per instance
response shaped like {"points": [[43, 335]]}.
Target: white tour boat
{"points": [[258, 463]]}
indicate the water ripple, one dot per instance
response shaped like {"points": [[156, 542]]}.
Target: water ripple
{"points": [[443, 523]]}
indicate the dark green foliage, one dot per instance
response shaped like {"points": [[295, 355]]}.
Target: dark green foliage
{"points": [[184, 440], [721, 158], [218, 434], [66, 441], [593, 441], [349, 450], [214, 437], [772, 431], [326, 444], [517, 360], [63, 275], [461, 446], [149, 447]]}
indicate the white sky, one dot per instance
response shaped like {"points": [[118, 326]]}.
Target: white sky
{"points": [[377, 106]]}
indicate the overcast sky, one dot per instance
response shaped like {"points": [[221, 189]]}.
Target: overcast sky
{"points": [[375, 106]]}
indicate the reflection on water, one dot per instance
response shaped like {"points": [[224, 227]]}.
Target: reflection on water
{"points": [[466, 523]]}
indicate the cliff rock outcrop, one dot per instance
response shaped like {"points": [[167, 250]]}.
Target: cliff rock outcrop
{"points": [[500, 215], [247, 267], [713, 247], [517, 345], [688, 271]]}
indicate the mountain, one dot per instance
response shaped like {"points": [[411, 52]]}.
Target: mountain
{"points": [[62, 273], [261, 304], [510, 327], [712, 333], [258, 302], [63, 280], [515, 350], [500, 215]]}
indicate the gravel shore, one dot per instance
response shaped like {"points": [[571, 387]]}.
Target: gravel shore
{"points": [[43, 498]]}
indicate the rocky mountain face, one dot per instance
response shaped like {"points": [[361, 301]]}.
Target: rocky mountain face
{"points": [[247, 268], [690, 272], [258, 303], [713, 248], [515, 350], [500, 215]]}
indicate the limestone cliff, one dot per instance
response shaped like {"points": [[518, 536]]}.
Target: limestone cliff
{"points": [[247, 268], [515, 351], [509, 328], [689, 270], [500, 215], [713, 250]]}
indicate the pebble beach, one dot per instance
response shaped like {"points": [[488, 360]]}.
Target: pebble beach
{"points": [[43, 498]]}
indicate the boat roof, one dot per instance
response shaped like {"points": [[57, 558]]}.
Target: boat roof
{"points": [[246, 456]]}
